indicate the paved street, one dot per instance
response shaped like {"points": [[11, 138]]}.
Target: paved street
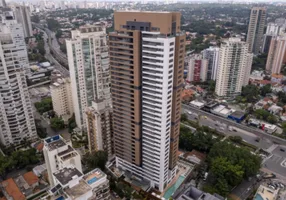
{"points": [[224, 127], [257, 132], [249, 135], [274, 163], [49, 56]]}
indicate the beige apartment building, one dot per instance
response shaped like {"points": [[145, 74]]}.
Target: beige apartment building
{"points": [[234, 67], [147, 53], [256, 29], [62, 97], [276, 55], [99, 127]]}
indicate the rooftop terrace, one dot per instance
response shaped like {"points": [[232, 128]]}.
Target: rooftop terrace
{"points": [[54, 142], [65, 175], [78, 190], [93, 176]]}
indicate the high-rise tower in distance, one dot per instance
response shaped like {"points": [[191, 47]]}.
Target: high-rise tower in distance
{"points": [[23, 16], [256, 29], [16, 115], [276, 55], [147, 62], [234, 67], [3, 3]]}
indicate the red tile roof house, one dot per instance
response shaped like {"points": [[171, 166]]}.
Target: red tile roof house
{"points": [[11, 190]]}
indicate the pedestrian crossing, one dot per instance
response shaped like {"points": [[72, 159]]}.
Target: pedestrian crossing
{"points": [[271, 148]]}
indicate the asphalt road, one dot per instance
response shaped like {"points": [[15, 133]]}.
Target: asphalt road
{"points": [[274, 162], [228, 122], [49, 56], [266, 142], [224, 127]]}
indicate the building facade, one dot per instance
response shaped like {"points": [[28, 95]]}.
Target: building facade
{"points": [[65, 174], [234, 67], [89, 70], [212, 55], [256, 29], [197, 69], [147, 63], [99, 127], [16, 118], [266, 43], [58, 154], [61, 94], [23, 16], [276, 54], [73, 184], [273, 29]]}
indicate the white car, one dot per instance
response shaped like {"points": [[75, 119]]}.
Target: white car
{"points": [[190, 113]]}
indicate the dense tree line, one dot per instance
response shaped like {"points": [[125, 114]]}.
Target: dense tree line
{"points": [[251, 93], [45, 105], [229, 165], [96, 159], [202, 140], [17, 160]]}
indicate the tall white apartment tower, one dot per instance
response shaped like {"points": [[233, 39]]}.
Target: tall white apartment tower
{"points": [[16, 115], [147, 62], [23, 16], [256, 29], [3, 3], [212, 55], [234, 67], [89, 70]]}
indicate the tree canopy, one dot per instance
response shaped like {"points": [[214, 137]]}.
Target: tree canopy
{"points": [[250, 93], [17, 160], [57, 123], [259, 62], [201, 140], [265, 90], [229, 165], [44, 106], [265, 115], [96, 159]]}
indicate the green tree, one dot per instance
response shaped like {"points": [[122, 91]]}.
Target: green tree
{"points": [[282, 97], [250, 92], [261, 114], [229, 165], [236, 139], [59, 34], [72, 123], [265, 90], [236, 156], [202, 140], [184, 117], [259, 62], [53, 24], [271, 119], [44, 106], [57, 123], [5, 165], [96, 159]]}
